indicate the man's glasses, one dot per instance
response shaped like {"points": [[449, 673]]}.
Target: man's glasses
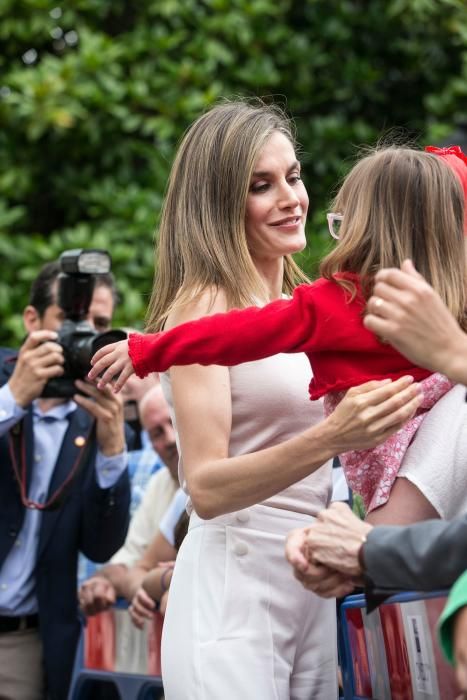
{"points": [[334, 224]]}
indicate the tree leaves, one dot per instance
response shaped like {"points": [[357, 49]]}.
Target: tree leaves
{"points": [[94, 96]]}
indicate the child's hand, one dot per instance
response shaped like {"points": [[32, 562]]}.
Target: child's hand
{"points": [[110, 361]]}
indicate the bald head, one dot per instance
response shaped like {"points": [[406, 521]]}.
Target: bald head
{"points": [[155, 419]]}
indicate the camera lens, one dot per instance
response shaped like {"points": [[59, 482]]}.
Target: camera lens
{"points": [[102, 339], [85, 345]]}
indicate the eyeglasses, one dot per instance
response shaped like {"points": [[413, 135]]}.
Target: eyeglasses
{"points": [[334, 221]]}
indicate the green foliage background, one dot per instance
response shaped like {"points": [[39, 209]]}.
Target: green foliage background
{"points": [[94, 95]]}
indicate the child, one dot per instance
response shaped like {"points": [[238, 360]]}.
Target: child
{"points": [[396, 203]]}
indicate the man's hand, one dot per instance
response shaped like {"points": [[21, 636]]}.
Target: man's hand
{"points": [[110, 361], [96, 595], [460, 649], [142, 608], [315, 577], [107, 409], [407, 312], [40, 358], [335, 538], [324, 555]]}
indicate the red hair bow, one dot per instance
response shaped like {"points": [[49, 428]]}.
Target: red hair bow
{"points": [[457, 161], [448, 151]]}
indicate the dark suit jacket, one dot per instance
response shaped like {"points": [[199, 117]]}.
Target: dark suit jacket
{"points": [[91, 520], [425, 556]]}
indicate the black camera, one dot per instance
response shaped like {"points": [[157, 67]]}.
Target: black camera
{"points": [[77, 337]]}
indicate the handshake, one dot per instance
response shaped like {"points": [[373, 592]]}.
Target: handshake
{"points": [[327, 555]]}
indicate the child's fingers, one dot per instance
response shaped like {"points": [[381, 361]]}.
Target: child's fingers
{"points": [[124, 375], [112, 370], [101, 353], [100, 364]]}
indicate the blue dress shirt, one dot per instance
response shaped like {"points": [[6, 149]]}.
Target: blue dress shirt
{"points": [[142, 464], [17, 580]]}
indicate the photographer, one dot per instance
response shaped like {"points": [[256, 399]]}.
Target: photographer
{"points": [[63, 489]]}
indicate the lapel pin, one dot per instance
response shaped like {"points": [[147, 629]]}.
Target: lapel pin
{"points": [[80, 441]]}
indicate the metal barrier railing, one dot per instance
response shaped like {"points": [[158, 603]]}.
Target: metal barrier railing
{"points": [[389, 654], [393, 653]]}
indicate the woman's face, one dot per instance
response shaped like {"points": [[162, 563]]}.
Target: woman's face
{"points": [[277, 202]]}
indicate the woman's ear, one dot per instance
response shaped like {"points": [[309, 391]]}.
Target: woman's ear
{"points": [[31, 319]]}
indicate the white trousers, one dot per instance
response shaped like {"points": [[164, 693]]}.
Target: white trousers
{"points": [[238, 625]]}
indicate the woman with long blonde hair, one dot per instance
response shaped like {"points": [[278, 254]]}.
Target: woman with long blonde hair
{"points": [[255, 453]]}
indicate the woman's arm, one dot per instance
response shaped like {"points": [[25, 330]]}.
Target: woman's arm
{"points": [[219, 484]]}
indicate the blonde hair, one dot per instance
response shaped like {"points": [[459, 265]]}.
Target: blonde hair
{"points": [[402, 203], [202, 243]]}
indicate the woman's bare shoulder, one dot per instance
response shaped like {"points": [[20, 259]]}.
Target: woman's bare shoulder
{"points": [[209, 301]]}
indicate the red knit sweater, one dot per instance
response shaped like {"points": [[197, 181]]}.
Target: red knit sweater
{"points": [[319, 320]]}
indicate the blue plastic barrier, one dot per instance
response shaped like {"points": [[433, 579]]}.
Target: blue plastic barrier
{"points": [[392, 653]]}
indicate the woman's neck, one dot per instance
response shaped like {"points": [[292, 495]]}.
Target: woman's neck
{"points": [[272, 274]]}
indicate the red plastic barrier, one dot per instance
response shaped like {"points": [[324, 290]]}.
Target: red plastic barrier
{"points": [[112, 643]]}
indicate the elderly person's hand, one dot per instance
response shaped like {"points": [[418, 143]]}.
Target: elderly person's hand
{"points": [[325, 555], [335, 539], [315, 577], [407, 312]]}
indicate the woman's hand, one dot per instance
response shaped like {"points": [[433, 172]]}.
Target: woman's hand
{"points": [[142, 608], [407, 312], [110, 361], [368, 414]]}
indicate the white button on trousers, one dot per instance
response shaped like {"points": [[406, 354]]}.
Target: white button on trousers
{"points": [[238, 625], [240, 548], [242, 516]]}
